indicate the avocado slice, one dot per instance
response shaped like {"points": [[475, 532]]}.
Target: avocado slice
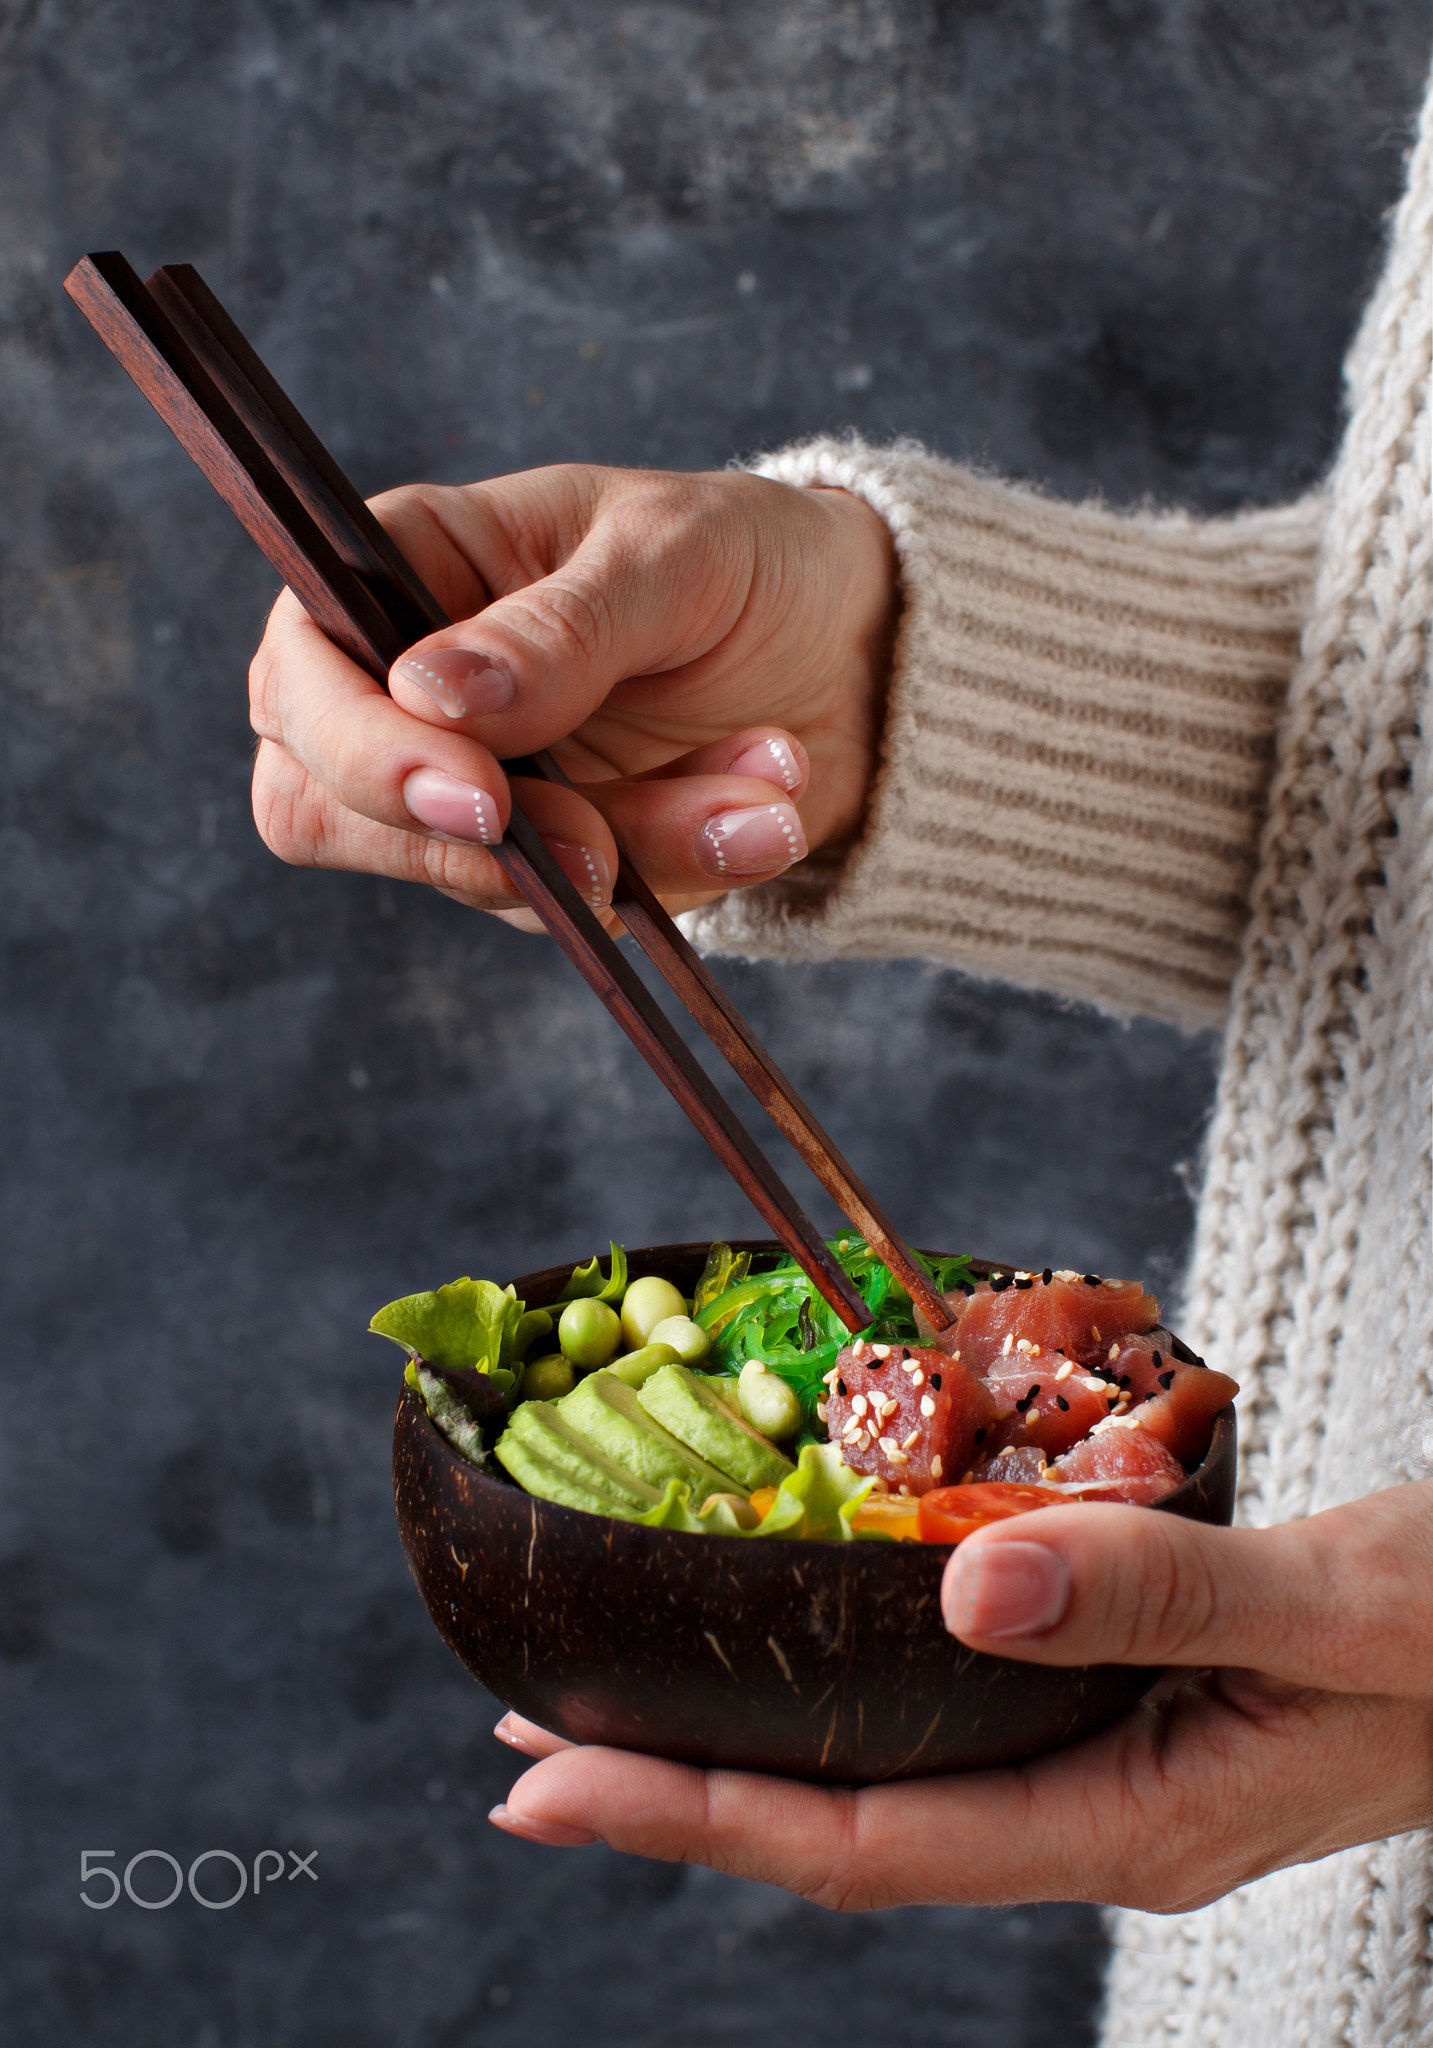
{"points": [[606, 1415], [538, 1475], [543, 1430], [696, 1416]]}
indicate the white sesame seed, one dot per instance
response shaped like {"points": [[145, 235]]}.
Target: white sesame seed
{"points": [[905, 1490], [917, 1379], [1008, 1346], [881, 1350], [897, 1456], [937, 1466], [858, 1406], [820, 1411], [1066, 1369], [889, 1444], [1095, 1333], [906, 1366], [913, 1438], [853, 1427], [927, 1405], [1095, 1386], [888, 1409], [1114, 1351], [1008, 1452]]}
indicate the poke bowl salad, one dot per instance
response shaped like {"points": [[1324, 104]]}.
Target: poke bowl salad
{"points": [[748, 1409]]}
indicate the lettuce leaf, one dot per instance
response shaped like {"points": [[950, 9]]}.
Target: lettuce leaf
{"points": [[448, 1412], [469, 1325], [815, 1501], [587, 1282]]}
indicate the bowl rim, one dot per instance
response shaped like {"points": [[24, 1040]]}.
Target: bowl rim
{"points": [[1224, 1421]]}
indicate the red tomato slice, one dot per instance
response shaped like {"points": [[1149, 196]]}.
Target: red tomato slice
{"points": [[952, 1513]]}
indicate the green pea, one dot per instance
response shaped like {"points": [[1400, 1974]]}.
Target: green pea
{"points": [[589, 1332], [645, 1304], [767, 1402], [688, 1339], [548, 1378]]}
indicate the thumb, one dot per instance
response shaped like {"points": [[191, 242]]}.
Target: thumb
{"points": [[536, 663], [1342, 1601]]}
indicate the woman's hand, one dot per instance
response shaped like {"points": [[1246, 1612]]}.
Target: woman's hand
{"points": [[705, 654], [1305, 1724]]}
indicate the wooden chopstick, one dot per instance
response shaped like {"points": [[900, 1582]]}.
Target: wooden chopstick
{"points": [[211, 387], [358, 537]]}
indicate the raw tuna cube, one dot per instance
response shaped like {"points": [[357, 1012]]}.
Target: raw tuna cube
{"points": [[1182, 1415], [1017, 1466], [1079, 1317], [1045, 1399], [1133, 1465], [912, 1417]]}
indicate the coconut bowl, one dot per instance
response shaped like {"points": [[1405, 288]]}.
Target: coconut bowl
{"points": [[823, 1661]]}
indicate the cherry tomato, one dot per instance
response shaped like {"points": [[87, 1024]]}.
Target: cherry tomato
{"points": [[952, 1513]]}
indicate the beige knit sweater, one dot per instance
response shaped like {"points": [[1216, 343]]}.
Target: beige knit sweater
{"points": [[1185, 768]]}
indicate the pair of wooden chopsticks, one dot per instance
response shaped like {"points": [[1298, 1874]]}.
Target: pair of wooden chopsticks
{"points": [[209, 386]]}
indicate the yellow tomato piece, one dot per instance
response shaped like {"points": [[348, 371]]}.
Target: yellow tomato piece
{"points": [[891, 1514], [762, 1500]]}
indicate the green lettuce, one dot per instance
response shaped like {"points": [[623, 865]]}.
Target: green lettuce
{"points": [[816, 1502], [448, 1412], [587, 1282], [469, 1325]]}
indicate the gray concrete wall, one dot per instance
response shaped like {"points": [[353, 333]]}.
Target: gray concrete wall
{"points": [[1107, 244]]}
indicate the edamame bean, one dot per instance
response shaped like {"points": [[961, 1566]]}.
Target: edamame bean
{"points": [[548, 1378], [688, 1339], [645, 1304], [638, 1366], [589, 1332], [767, 1402]]}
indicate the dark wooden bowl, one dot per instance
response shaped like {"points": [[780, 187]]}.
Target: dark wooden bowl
{"points": [[824, 1661]]}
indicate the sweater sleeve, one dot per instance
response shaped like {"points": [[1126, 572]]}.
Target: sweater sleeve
{"points": [[1077, 745]]}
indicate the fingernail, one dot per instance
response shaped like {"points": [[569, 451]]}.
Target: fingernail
{"points": [[454, 808], [769, 761], [751, 842], [549, 1832], [506, 1732], [587, 867], [1005, 1589], [459, 681]]}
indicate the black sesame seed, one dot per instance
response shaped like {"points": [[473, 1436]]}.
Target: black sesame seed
{"points": [[999, 1284], [1158, 1360], [841, 1388], [1124, 1379], [980, 1436], [935, 1381], [1048, 1275], [1062, 1404], [1166, 1380], [1092, 1279], [1024, 1283]]}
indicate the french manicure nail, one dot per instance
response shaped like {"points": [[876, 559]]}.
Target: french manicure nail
{"points": [[550, 1832], [587, 866], [460, 682], [456, 809], [506, 1732], [769, 761], [751, 842], [1005, 1589]]}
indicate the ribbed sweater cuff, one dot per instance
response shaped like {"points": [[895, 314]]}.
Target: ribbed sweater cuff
{"points": [[1077, 745]]}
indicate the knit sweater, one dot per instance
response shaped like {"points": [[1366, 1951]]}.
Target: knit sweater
{"points": [[1185, 768]]}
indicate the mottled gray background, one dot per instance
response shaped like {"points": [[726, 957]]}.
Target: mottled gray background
{"points": [[1103, 243]]}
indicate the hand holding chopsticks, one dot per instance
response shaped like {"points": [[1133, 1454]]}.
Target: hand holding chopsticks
{"points": [[214, 392]]}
